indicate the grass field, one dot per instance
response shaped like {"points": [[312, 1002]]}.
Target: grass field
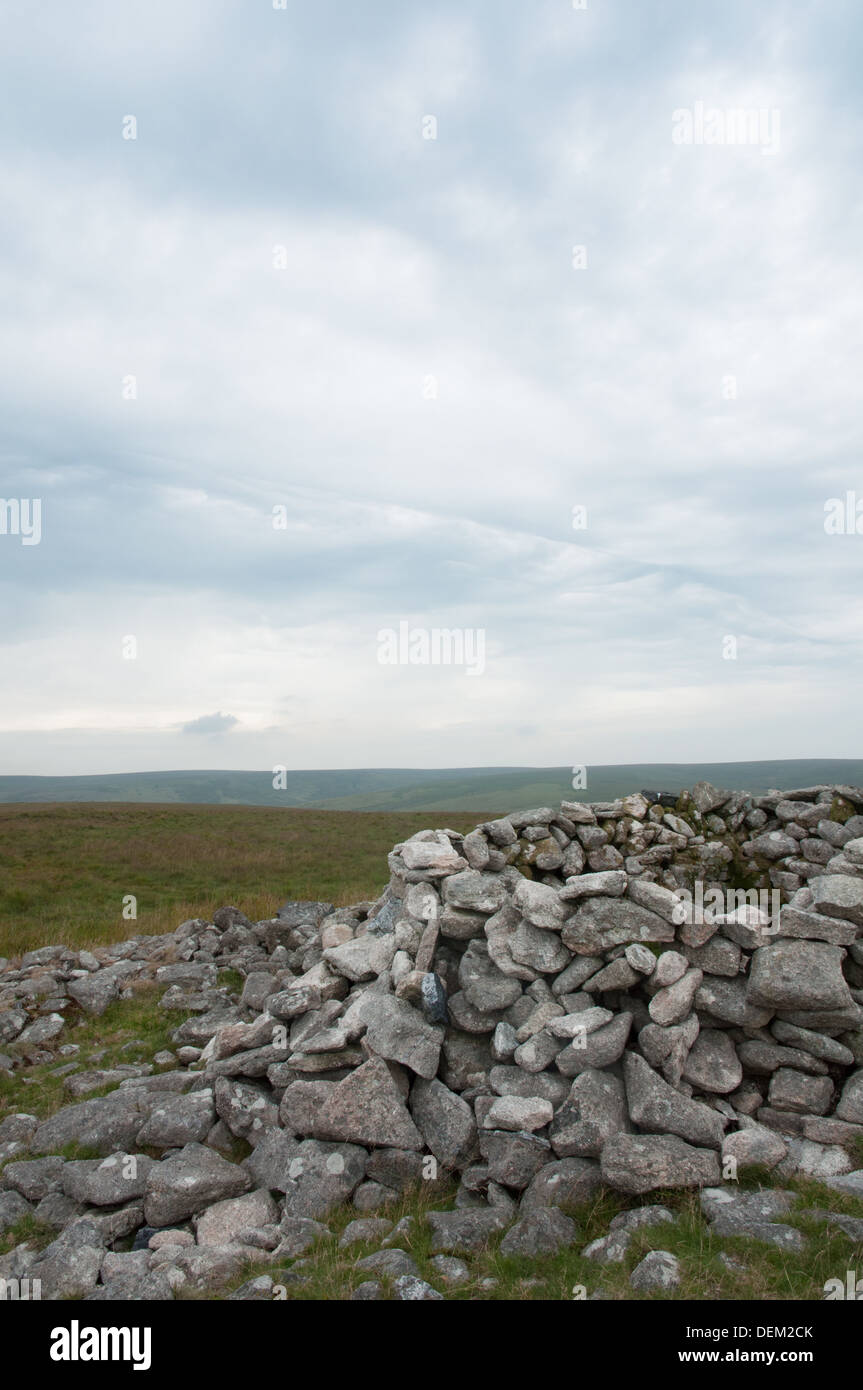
{"points": [[65, 869]]}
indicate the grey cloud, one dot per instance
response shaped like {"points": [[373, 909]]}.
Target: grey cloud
{"points": [[210, 724], [303, 387]]}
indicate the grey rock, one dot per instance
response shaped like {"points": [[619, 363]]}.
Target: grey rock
{"points": [[34, 1178], [399, 1033], [450, 1269], [541, 1231], [18, 1127], [367, 1108], [105, 1182], [800, 1092], [366, 1228], [673, 1003], [597, 1050], [806, 1158], [367, 1292], [504, 1042], [595, 1109], [475, 892], [729, 1002], [763, 1058], [69, 1267], [321, 1176], [712, 1063], [487, 988], [13, 1208], [773, 845], [513, 1159], [179, 1120], [839, 895], [445, 1122], [850, 1105], [850, 1183], [641, 958], [575, 974], [754, 1147], [637, 1218], [398, 1169], [637, 1163], [798, 975], [371, 1196], [670, 967], [107, 1124], [564, 1182], [188, 1181], [465, 1055], [391, 1264], [247, 1108], [656, 1107], [824, 1048], [607, 881], [516, 1113], [539, 905], [539, 1051], [815, 926], [95, 992], [409, 1289], [297, 1235], [603, 922], [659, 1270], [224, 1222], [257, 1290], [433, 999], [513, 1081], [541, 950], [460, 1232], [363, 958]]}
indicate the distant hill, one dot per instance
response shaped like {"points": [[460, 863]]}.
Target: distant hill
{"points": [[484, 789]]}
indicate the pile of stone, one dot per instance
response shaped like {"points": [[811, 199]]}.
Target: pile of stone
{"points": [[650, 993]]}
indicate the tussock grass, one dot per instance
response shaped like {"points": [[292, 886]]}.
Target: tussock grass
{"points": [[65, 869], [768, 1274], [130, 1031]]}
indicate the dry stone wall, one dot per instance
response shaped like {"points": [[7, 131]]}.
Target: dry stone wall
{"points": [[647, 994]]}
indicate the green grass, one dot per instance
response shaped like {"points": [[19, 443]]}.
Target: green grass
{"points": [[129, 1031], [65, 869], [30, 1229], [329, 1273]]}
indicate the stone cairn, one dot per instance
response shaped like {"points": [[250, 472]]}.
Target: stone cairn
{"points": [[649, 993]]}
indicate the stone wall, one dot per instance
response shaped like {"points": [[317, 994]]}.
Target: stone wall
{"points": [[652, 993]]}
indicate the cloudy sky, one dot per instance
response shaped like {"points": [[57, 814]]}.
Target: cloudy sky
{"points": [[298, 345]]}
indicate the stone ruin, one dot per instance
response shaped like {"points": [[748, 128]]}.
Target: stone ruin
{"points": [[651, 993]]}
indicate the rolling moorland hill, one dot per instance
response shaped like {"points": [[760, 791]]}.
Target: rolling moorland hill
{"points": [[489, 789]]}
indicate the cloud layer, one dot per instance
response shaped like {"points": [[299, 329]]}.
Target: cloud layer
{"points": [[286, 373]]}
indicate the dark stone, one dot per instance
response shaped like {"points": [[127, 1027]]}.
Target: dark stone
{"points": [[142, 1236], [434, 999]]}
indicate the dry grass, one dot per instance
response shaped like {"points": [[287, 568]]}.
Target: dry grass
{"points": [[65, 869]]}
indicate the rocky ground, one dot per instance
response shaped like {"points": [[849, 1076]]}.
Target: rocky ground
{"points": [[533, 1030]]}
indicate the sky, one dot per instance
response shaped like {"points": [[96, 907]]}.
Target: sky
{"points": [[338, 337]]}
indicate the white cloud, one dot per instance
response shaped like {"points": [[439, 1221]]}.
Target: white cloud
{"points": [[308, 387]]}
